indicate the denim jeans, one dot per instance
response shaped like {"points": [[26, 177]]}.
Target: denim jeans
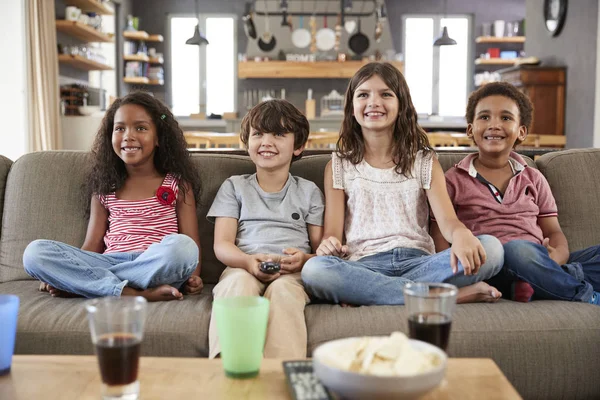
{"points": [[380, 278], [574, 281], [90, 274]]}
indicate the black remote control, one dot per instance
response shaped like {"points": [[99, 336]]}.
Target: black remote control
{"points": [[270, 267], [304, 384]]}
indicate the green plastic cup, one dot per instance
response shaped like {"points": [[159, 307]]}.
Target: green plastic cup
{"points": [[242, 328]]}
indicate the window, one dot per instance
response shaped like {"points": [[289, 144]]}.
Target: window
{"points": [[438, 77], [203, 79]]}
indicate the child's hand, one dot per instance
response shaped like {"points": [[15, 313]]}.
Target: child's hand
{"points": [[552, 253], [254, 267], [293, 262], [332, 247], [194, 285], [467, 249]]}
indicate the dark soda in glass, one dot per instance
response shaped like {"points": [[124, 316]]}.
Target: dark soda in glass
{"points": [[118, 357], [430, 327]]}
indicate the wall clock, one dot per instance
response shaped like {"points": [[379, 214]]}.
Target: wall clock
{"points": [[555, 13]]}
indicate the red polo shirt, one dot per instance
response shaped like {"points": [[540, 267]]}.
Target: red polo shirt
{"points": [[513, 215]]}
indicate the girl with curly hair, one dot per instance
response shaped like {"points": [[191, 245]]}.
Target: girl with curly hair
{"points": [[142, 237], [377, 189]]}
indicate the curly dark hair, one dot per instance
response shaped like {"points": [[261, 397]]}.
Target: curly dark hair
{"points": [[276, 116], [107, 171], [408, 137], [502, 89]]}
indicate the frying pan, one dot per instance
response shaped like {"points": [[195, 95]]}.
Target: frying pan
{"points": [[301, 37], [325, 37], [249, 27], [267, 41], [359, 42]]}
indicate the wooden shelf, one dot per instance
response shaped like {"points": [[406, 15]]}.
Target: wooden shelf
{"points": [[141, 35], [136, 80], [155, 38], [83, 63], [496, 61], [92, 6], [82, 31], [136, 35], [142, 80], [292, 69], [136, 57], [156, 60], [506, 39]]}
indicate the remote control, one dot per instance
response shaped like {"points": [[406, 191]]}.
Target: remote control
{"points": [[270, 267], [304, 384]]}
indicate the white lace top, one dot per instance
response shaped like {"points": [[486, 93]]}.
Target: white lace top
{"points": [[384, 209]]}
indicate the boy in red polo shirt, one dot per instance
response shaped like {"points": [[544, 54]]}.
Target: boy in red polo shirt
{"points": [[494, 192]]}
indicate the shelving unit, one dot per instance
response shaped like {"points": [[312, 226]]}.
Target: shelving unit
{"points": [[506, 39], [291, 69], [83, 63], [146, 37], [91, 6], [82, 31]]}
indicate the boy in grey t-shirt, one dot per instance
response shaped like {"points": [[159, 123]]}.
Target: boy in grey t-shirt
{"points": [[269, 216]]}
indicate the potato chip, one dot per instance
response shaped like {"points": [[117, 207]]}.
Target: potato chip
{"points": [[382, 356]]}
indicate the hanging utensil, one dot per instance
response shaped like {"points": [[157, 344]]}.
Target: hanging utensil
{"points": [[301, 37], [338, 33], [267, 40], [313, 34], [249, 27], [325, 37], [359, 42]]}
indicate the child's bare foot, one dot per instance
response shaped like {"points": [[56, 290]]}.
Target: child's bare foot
{"points": [[54, 292], [159, 293], [477, 293]]}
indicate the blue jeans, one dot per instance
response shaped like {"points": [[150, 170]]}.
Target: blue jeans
{"points": [[574, 281], [90, 274], [379, 279]]}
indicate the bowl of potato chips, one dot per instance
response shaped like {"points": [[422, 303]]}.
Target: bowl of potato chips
{"points": [[379, 367]]}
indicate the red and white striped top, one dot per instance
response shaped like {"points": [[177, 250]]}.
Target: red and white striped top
{"points": [[133, 225]]}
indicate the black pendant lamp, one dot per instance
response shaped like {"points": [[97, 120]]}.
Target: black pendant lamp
{"points": [[198, 39], [444, 40]]}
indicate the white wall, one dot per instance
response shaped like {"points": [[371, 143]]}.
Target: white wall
{"points": [[13, 79]]}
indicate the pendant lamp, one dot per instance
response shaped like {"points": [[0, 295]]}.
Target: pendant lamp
{"points": [[444, 40], [198, 38]]}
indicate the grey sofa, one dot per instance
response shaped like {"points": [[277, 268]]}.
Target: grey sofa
{"points": [[547, 349]]}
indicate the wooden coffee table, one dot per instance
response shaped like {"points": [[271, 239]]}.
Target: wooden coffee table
{"points": [[77, 378]]}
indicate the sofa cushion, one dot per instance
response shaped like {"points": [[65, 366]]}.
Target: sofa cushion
{"points": [[45, 199], [555, 339], [5, 164], [573, 176], [49, 325]]}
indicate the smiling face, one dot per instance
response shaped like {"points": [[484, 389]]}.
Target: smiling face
{"points": [[272, 151], [496, 125], [375, 106], [134, 137]]}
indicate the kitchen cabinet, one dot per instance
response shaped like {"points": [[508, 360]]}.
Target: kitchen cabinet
{"points": [[545, 86]]}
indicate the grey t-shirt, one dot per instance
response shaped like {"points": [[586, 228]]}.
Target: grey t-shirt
{"points": [[269, 222]]}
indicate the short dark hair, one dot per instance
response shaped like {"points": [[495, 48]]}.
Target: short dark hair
{"points": [[502, 89], [276, 116]]}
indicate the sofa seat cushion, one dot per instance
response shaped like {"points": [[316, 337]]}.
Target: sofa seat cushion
{"points": [[561, 338], [50, 325]]}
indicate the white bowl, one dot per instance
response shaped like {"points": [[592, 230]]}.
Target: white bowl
{"points": [[88, 110], [352, 385]]}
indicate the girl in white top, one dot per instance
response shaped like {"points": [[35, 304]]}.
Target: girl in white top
{"points": [[377, 188]]}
